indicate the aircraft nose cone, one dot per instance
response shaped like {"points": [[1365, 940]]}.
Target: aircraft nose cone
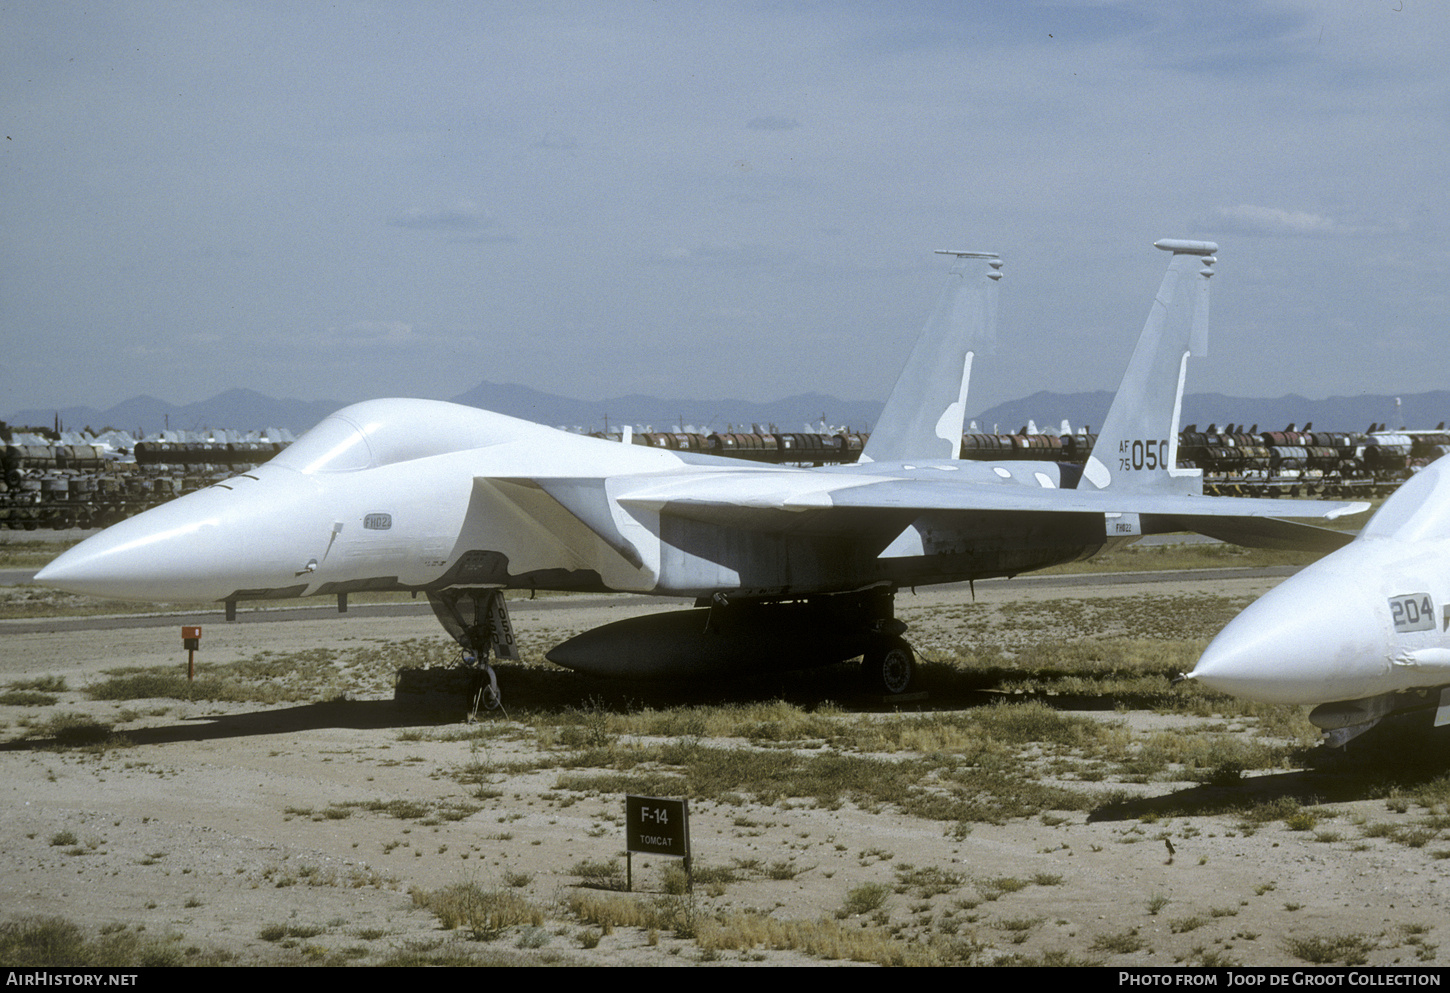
{"points": [[203, 546], [156, 555], [77, 570], [1310, 640]]}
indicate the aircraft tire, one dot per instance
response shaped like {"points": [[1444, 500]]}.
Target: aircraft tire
{"points": [[889, 667]]}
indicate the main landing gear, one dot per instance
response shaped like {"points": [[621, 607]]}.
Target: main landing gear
{"points": [[478, 619], [889, 666], [721, 638]]}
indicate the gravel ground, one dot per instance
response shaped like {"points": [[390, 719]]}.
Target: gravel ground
{"points": [[212, 825]]}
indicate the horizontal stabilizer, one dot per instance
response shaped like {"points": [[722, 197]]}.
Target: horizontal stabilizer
{"points": [[1258, 532]]}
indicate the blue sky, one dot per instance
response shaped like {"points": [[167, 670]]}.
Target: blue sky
{"points": [[352, 200]]}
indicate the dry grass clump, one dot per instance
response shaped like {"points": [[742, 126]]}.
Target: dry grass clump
{"points": [[981, 779], [1290, 810], [927, 881], [865, 899], [290, 932], [827, 939], [77, 731], [1345, 949], [1119, 943], [676, 914], [291, 678], [1409, 835], [593, 724], [1003, 723], [428, 813], [276, 677], [484, 913], [56, 942], [603, 875], [168, 684], [996, 888], [1202, 757], [347, 877], [33, 692]]}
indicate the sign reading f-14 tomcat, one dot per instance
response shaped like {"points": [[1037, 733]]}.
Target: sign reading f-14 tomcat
{"points": [[657, 826]]}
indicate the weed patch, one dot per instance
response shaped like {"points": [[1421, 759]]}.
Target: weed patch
{"points": [[1348, 949], [482, 912], [56, 942]]}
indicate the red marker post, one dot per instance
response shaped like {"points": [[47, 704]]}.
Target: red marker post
{"points": [[191, 641]]}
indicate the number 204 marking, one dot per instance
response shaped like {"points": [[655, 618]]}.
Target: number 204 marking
{"points": [[1413, 612]]}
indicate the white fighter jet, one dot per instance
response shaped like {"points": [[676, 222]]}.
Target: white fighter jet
{"points": [[789, 567], [1360, 634]]}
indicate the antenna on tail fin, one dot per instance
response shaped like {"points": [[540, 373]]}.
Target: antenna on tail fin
{"points": [[1137, 448], [923, 417]]}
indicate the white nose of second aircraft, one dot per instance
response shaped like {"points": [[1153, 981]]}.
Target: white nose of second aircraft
{"points": [[1312, 639]]}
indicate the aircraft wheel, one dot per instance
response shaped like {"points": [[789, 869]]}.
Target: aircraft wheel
{"points": [[889, 667]]}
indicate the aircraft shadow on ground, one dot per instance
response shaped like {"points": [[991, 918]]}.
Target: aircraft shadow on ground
{"points": [[1398, 759], [357, 715], [1398, 754], [528, 689], [533, 689]]}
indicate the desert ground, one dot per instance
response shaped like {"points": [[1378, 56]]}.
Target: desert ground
{"points": [[1051, 799]]}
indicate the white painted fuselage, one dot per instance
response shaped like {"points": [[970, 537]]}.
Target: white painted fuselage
{"points": [[402, 494]]}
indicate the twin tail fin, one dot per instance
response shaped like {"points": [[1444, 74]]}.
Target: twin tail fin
{"points": [[923, 417]]}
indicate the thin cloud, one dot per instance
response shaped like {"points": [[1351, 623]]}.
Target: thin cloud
{"points": [[1276, 221], [721, 256], [370, 334], [556, 141], [464, 216], [773, 124]]}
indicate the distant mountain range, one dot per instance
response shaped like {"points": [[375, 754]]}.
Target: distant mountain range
{"points": [[248, 410]]}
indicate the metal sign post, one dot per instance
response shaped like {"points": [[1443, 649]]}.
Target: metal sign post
{"points": [[191, 641], [655, 826]]}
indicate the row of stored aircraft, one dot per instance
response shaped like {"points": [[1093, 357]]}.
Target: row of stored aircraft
{"points": [[788, 567]]}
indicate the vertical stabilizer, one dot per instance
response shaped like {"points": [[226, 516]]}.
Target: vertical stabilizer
{"points": [[923, 417], [1137, 448]]}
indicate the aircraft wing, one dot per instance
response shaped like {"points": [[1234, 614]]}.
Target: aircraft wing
{"points": [[1252, 523], [844, 505], [945, 494]]}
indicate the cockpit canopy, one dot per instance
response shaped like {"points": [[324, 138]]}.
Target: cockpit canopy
{"points": [[1419, 510], [383, 432]]}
